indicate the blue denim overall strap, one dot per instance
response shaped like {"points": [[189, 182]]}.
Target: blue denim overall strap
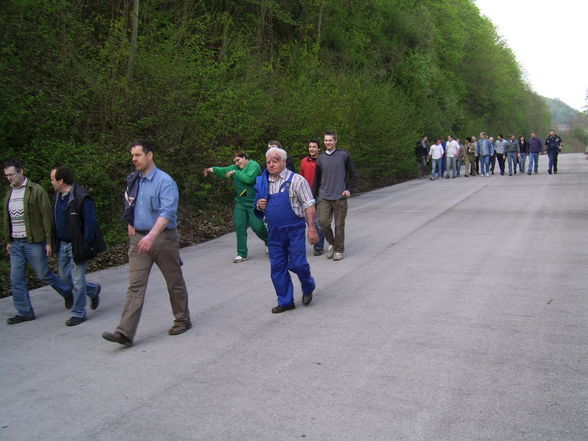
{"points": [[279, 212]]}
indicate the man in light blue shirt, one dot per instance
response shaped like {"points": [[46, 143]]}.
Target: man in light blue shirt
{"points": [[484, 149], [153, 238]]}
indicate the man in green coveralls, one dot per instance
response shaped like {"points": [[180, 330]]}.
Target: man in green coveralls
{"points": [[243, 173]]}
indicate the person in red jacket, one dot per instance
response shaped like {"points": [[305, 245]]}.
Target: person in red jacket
{"points": [[308, 171]]}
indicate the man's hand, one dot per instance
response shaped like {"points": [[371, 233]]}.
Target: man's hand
{"points": [[229, 173], [262, 204], [346, 194], [131, 230], [207, 171], [48, 250], [8, 248], [145, 243], [313, 236]]}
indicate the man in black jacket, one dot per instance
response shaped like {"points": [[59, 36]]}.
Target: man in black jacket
{"points": [[421, 152], [77, 238]]}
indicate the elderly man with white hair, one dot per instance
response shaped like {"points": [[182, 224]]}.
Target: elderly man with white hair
{"points": [[286, 202]]}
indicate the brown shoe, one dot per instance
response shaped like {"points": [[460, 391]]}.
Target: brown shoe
{"points": [[117, 337], [278, 309], [178, 329]]}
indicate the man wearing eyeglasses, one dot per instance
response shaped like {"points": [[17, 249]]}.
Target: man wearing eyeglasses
{"points": [[27, 231]]}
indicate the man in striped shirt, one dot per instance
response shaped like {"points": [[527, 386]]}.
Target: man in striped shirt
{"points": [[28, 232], [285, 200]]}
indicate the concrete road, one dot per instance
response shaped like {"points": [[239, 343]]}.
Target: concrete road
{"points": [[459, 313]]}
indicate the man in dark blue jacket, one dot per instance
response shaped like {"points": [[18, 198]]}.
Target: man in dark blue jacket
{"points": [[553, 144], [78, 239], [535, 148]]}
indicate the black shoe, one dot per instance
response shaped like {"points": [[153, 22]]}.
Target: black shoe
{"points": [[117, 337], [74, 321], [278, 309], [549, 171], [95, 301], [178, 329], [19, 319], [319, 252], [306, 299], [69, 301]]}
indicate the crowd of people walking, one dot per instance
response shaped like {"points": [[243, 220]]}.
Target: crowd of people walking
{"points": [[479, 156], [282, 207]]}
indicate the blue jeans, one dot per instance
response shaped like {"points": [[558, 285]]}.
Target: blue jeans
{"points": [[320, 245], [451, 168], [435, 168], [512, 162], [74, 276], [484, 164], [522, 160], [34, 254], [533, 158], [552, 154]]}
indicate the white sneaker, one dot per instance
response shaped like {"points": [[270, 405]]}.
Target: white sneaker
{"points": [[338, 256], [239, 259], [267, 251], [330, 252]]}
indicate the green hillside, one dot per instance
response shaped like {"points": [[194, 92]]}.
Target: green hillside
{"points": [[561, 113]]}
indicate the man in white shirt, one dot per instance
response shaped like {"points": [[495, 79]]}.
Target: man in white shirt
{"points": [[435, 156], [452, 150]]}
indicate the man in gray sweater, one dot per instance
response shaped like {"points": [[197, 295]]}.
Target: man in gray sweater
{"points": [[512, 150], [335, 180]]}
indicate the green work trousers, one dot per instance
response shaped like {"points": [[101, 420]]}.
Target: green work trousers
{"points": [[244, 217]]}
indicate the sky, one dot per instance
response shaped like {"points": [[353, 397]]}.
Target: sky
{"points": [[550, 41]]}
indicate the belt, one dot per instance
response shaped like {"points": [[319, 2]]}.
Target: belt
{"points": [[145, 232]]}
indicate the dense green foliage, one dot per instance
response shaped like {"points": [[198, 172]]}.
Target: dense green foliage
{"points": [[209, 76]]}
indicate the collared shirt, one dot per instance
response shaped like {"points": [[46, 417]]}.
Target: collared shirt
{"points": [[16, 211], [300, 193], [60, 216], [157, 197]]}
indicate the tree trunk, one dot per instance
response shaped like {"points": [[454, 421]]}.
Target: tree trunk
{"points": [[318, 26], [134, 34]]}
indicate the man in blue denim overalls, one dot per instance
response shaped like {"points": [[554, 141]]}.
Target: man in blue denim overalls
{"points": [[285, 200]]}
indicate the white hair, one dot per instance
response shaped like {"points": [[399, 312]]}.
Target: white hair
{"points": [[281, 152]]}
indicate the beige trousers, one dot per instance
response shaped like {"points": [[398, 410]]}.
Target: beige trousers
{"points": [[165, 253]]}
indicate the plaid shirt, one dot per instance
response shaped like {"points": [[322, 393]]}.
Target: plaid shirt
{"points": [[300, 194]]}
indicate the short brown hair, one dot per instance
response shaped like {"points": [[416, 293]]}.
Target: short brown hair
{"points": [[333, 134]]}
